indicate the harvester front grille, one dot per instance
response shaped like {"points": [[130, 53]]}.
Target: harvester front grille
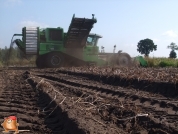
{"points": [[31, 40]]}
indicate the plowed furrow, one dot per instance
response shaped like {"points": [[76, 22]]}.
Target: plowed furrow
{"points": [[20, 99], [130, 97], [142, 97], [161, 87]]}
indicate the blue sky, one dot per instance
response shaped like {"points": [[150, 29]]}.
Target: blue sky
{"points": [[120, 22]]}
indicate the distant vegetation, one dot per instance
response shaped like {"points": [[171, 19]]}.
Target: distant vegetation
{"points": [[173, 47], [162, 62], [146, 46], [16, 58]]}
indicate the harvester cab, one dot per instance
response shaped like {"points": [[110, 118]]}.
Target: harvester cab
{"points": [[93, 39], [55, 48]]}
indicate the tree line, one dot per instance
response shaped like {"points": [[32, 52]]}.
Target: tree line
{"points": [[12, 53], [147, 45]]}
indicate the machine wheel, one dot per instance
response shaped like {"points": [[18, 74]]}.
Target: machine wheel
{"points": [[124, 59], [40, 61], [54, 60]]}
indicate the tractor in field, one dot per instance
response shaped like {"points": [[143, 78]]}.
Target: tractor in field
{"points": [[55, 48]]}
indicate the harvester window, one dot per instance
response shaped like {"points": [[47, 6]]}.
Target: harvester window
{"points": [[55, 35], [90, 41], [94, 41]]}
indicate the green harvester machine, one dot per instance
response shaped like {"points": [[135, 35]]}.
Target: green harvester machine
{"points": [[78, 47]]}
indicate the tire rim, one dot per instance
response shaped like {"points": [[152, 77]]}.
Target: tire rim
{"points": [[123, 61], [55, 60]]}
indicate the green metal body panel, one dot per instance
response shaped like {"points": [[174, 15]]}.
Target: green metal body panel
{"points": [[90, 53], [142, 61], [20, 44], [46, 44], [45, 48]]}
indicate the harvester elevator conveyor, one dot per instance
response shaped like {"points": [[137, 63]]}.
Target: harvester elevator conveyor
{"points": [[78, 32]]}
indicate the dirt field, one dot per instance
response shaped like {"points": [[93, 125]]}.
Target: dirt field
{"points": [[91, 100]]}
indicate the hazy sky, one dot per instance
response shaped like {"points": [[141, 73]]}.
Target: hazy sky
{"points": [[120, 22]]}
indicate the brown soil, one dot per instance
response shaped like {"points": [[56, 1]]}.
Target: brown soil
{"points": [[66, 101]]}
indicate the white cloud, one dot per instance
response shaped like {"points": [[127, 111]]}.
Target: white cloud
{"points": [[170, 33], [30, 23]]}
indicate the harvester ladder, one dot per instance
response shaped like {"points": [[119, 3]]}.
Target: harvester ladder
{"points": [[78, 32]]}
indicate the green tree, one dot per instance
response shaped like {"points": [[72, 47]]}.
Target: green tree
{"points": [[172, 54], [172, 46], [146, 46]]}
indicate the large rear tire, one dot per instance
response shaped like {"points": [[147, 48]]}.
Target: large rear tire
{"points": [[54, 60], [40, 61], [124, 59]]}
